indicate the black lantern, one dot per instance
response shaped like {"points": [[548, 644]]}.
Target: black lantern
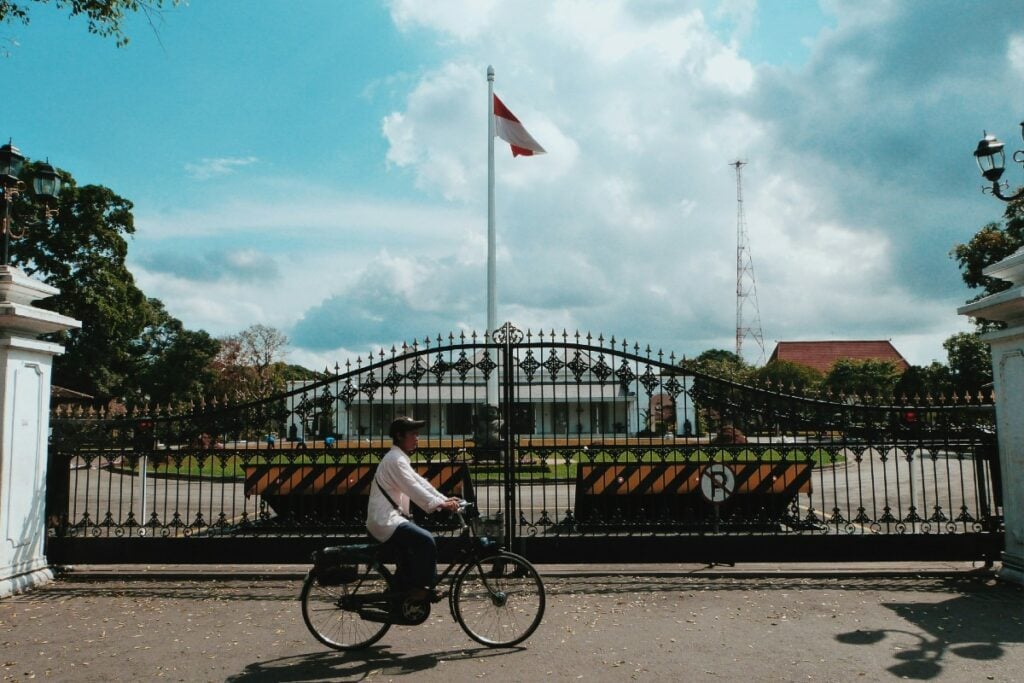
{"points": [[11, 162], [46, 183], [992, 161], [991, 158]]}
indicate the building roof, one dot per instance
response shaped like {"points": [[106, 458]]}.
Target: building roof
{"points": [[822, 355], [67, 394]]}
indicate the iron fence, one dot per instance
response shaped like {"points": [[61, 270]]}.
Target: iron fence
{"points": [[575, 448]]}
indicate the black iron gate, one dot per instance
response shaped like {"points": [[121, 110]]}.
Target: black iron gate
{"points": [[576, 449]]}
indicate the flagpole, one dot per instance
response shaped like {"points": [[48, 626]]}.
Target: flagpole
{"points": [[492, 275], [492, 306]]}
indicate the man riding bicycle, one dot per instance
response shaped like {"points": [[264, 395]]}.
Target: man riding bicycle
{"points": [[387, 517]]}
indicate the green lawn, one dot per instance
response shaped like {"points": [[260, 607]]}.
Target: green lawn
{"points": [[533, 465]]}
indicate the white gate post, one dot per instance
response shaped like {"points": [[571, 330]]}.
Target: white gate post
{"points": [[25, 368], [1008, 375]]}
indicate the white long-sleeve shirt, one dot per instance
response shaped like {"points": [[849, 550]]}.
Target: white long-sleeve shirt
{"points": [[403, 484]]}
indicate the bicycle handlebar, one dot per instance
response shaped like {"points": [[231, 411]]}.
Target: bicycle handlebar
{"points": [[464, 507]]}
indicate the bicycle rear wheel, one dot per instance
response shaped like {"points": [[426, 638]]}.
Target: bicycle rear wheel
{"points": [[499, 600], [335, 614]]}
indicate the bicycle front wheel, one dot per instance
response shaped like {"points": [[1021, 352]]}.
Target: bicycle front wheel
{"points": [[347, 616], [499, 600]]}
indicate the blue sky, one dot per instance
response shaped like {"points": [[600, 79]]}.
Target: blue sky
{"points": [[321, 166]]}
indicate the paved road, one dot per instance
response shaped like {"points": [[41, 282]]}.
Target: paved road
{"points": [[610, 628]]}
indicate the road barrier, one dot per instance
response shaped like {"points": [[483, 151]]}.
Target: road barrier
{"points": [[686, 494], [338, 494]]}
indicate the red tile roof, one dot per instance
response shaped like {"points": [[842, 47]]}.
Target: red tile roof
{"points": [[822, 355]]}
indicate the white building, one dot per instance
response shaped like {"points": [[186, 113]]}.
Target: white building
{"points": [[567, 392]]}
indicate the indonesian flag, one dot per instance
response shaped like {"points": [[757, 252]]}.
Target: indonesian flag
{"points": [[508, 128]]}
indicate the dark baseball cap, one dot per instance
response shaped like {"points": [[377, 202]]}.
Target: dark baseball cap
{"points": [[404, 424]]}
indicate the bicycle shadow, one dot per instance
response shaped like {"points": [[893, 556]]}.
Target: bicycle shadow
{"points": [[971, 626], [332, 666]]}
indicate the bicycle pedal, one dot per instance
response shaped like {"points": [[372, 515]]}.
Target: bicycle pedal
{"points": [[410, 612]]}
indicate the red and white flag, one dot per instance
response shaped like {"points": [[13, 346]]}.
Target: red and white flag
{"points": [[508, 128]]}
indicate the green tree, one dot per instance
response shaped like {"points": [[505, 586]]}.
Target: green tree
{"points": [[919, 382], [991, 244], [861, 378], [176, 364], [722, 363], [711, 410], [970, 361], [104, 17], [290, 372], [784, 375], [82, 252]]}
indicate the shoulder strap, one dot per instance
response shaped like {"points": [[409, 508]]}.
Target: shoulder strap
{"points": [[390, 499]]}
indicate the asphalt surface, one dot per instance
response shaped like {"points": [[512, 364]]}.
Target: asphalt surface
{"points": [[611, 623]]}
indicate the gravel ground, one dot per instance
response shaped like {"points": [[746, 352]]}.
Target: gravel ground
{"points": [[616, 627]]}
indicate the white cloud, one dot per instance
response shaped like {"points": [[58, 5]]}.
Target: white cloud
{"points": [[215, 167], [641, 113], [460, 19], [856, 189], [1015, 53], [309, 214]]}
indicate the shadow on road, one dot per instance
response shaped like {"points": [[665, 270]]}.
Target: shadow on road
{"points": [[976, 625], [330, 666]]}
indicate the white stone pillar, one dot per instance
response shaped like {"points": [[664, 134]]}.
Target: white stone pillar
{"points": [[1008, 375], [25, 367]]}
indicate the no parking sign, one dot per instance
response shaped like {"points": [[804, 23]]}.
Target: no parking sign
{"points": [[717, 483]]}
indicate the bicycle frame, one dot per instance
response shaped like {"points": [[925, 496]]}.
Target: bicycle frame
{"points": [[468, 553], [480, 588]]}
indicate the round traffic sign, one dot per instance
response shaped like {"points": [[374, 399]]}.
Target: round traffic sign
{"points": [[717, 483]]}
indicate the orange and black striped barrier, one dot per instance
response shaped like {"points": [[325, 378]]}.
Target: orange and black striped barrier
{"points": [[672, 492], [338, 492]]}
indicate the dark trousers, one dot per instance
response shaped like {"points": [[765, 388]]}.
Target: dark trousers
{"points": [[416, 556]]}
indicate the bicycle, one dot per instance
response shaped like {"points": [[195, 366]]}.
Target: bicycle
{"points": [[349, 600]]}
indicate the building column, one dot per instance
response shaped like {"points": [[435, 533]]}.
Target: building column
{"points": [[25, 367], [1008, 382]]}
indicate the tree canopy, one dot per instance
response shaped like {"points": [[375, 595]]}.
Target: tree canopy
{"points": [[868, 377], [104, 17], [82, 252], [722, 363], [991, 244], [785, 375], [251, 364], [970, 362], [176, 364], [970, 358], [920, 382]]}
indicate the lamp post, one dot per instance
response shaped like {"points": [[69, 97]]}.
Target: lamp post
{"points": [[992, 162], [1007, 346], [46, 186]]}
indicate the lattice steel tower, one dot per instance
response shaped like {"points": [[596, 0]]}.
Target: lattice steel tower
{"points": [[746, 284]]}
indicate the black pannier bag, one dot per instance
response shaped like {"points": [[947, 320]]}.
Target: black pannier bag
{"points": [[330, 573]]}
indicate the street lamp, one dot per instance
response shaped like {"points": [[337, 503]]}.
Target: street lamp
{"points": [[46, 186], [992, 162]]}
